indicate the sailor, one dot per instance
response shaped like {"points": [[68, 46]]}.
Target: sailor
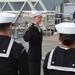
{"points": [[61, 60], [33, 35], [13, 56]]}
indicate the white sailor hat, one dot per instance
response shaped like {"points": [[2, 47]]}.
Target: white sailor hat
{"points": [[65, 28], [6, 17], [35, 13]]}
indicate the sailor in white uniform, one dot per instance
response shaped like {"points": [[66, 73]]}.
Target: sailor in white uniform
{"points": [[13, 56], [61, 60]]}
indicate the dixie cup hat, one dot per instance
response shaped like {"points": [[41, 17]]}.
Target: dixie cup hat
{"points": [[35, 13], [65, 28], [6, 17]]}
